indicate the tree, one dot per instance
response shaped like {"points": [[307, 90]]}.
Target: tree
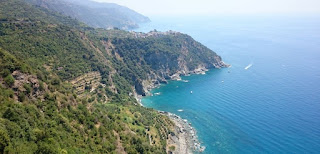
{"points": [[44, 148], [4, 140]]}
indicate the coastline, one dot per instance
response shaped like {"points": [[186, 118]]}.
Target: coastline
{"points": [[184, 137]]}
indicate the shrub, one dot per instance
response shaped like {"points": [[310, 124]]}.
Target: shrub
{"points": [[172, 148], [24, 68], [27, 87], [40, 75], [55, 81], [41, 87], [5, 72], [21, 97], [9, 80]]}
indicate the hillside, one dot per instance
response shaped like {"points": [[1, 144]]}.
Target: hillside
{"points": [[67, 87], [95, 14], [155, 57]]}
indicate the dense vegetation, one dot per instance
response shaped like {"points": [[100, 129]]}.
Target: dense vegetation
{"points": [[45, 57], [63, 123], [155, 57], [57, 121], [164, 53]]}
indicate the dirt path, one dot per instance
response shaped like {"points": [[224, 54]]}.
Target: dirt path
{"points": [[120, 149]]}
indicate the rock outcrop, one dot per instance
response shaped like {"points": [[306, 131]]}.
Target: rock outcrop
{"points": [[28, 85]]}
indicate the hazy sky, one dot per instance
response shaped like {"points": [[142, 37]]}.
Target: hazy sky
{"points": [[218, 7]]}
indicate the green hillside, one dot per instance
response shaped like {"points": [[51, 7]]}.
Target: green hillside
{"points": [[69, 88]]}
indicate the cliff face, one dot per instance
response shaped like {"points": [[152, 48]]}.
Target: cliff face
{"points": [[162, 56]]}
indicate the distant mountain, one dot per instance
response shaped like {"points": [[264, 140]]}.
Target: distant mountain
{"points": [[95, 14]]}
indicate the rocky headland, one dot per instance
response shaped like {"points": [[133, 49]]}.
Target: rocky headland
{"points": [[148, 85]]}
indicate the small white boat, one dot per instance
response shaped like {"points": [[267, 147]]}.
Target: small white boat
{"points": [[157, 93], [190, 92], [180, 110], [248, 66]]}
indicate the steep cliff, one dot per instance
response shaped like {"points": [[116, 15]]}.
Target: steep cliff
{"points": [[155, 57]]}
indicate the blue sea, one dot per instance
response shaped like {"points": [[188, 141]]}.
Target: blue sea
{"points": [[272, 106]]}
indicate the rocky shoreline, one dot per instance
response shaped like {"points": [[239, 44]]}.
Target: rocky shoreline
{"points": [[184, 138], [148, 85]]}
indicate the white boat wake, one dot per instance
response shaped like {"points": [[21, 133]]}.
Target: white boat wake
{"points": [[248, 66]]}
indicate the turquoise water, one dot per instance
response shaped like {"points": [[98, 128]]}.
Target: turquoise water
{"points": [[271, 107]]}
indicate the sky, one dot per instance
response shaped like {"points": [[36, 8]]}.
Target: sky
{"points": [[221, 7]]}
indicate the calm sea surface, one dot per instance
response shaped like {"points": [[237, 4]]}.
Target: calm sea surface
{"points": [[272, 106]]}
